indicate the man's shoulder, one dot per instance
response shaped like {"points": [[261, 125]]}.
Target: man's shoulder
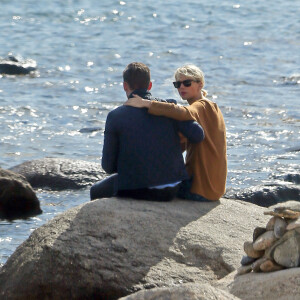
{"points": [[118, 110]]}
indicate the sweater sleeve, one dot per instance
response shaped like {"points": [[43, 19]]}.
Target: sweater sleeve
{"points": [[170, 110]]}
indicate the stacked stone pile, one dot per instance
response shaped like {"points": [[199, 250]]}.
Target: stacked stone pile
{"points": [[276, 246]]}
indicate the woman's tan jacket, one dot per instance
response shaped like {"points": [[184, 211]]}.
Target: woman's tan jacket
{"points": [[206, 162]]}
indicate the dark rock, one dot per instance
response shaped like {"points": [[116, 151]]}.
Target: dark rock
{"points": [[90, 129], [247, 260], [12, 66], [17, 198], [257, 232], [60, 173], [295, 178], [267, 195]]}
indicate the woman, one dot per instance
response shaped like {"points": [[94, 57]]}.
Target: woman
{"points": [[206, 162]]}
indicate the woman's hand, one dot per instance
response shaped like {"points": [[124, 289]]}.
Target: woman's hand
{"points": [[137, 101]]}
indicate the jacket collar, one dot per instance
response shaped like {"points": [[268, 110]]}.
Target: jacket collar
{"points": [[144, 93]]}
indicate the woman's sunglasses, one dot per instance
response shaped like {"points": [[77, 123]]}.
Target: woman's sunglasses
{"points": [[186, 83]]}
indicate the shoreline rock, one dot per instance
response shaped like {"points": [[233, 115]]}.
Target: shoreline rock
{"points": [[17, 198], [111, 248], [60, 174]]}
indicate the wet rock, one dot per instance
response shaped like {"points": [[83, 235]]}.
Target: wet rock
{"points": [[295, 178], [17, 198], [14, 66], [267, 195], [251, 252], [60, 173], [264, 241]]}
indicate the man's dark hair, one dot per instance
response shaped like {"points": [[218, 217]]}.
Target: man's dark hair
{"points": [[137, 75]]}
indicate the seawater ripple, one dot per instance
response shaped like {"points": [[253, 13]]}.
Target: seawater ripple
{"points": [[248, 51]]}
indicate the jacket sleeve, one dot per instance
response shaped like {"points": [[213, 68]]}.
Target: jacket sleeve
{"points": [[191, 130], [110, 147], [170, 110]]}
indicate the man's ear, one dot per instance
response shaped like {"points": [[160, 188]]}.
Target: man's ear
{"points": [[150, 86], [125, 86]]}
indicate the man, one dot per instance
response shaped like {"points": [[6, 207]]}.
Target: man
{"points": [[143, 151]]}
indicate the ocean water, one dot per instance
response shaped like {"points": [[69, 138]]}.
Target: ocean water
{"points": [[249, 52]]}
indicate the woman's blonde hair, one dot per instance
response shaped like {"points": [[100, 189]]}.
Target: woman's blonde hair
{"points": [[192, 72]]}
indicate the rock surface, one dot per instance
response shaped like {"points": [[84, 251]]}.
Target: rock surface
{"points": [[280, 285], [17, 198], [188, 291], [60, 173], [110, 248]]}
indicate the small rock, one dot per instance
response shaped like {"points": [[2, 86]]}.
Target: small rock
{"points": [[287, 251], [256, 265], [284, 212], [264, 241], [247, 260], [244, 270], [17, 197], [270, 224], [279, 227], [294, 224], [249, 250], [270, 266], [258, 231]]}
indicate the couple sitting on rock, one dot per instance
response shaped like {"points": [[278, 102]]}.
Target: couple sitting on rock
{"points": [[144, 140]]}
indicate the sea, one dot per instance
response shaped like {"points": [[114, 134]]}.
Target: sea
{"points": [[248, 50]]}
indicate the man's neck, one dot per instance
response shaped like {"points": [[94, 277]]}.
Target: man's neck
{"points": [[144, 93]]}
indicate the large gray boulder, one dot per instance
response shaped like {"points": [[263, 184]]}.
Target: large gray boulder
{"points": [[60, 173], [187, 291], [17, 198], [110, 248], [279, 285]]}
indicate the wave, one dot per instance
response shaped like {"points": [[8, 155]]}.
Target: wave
{"points": [[290, 80]]}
